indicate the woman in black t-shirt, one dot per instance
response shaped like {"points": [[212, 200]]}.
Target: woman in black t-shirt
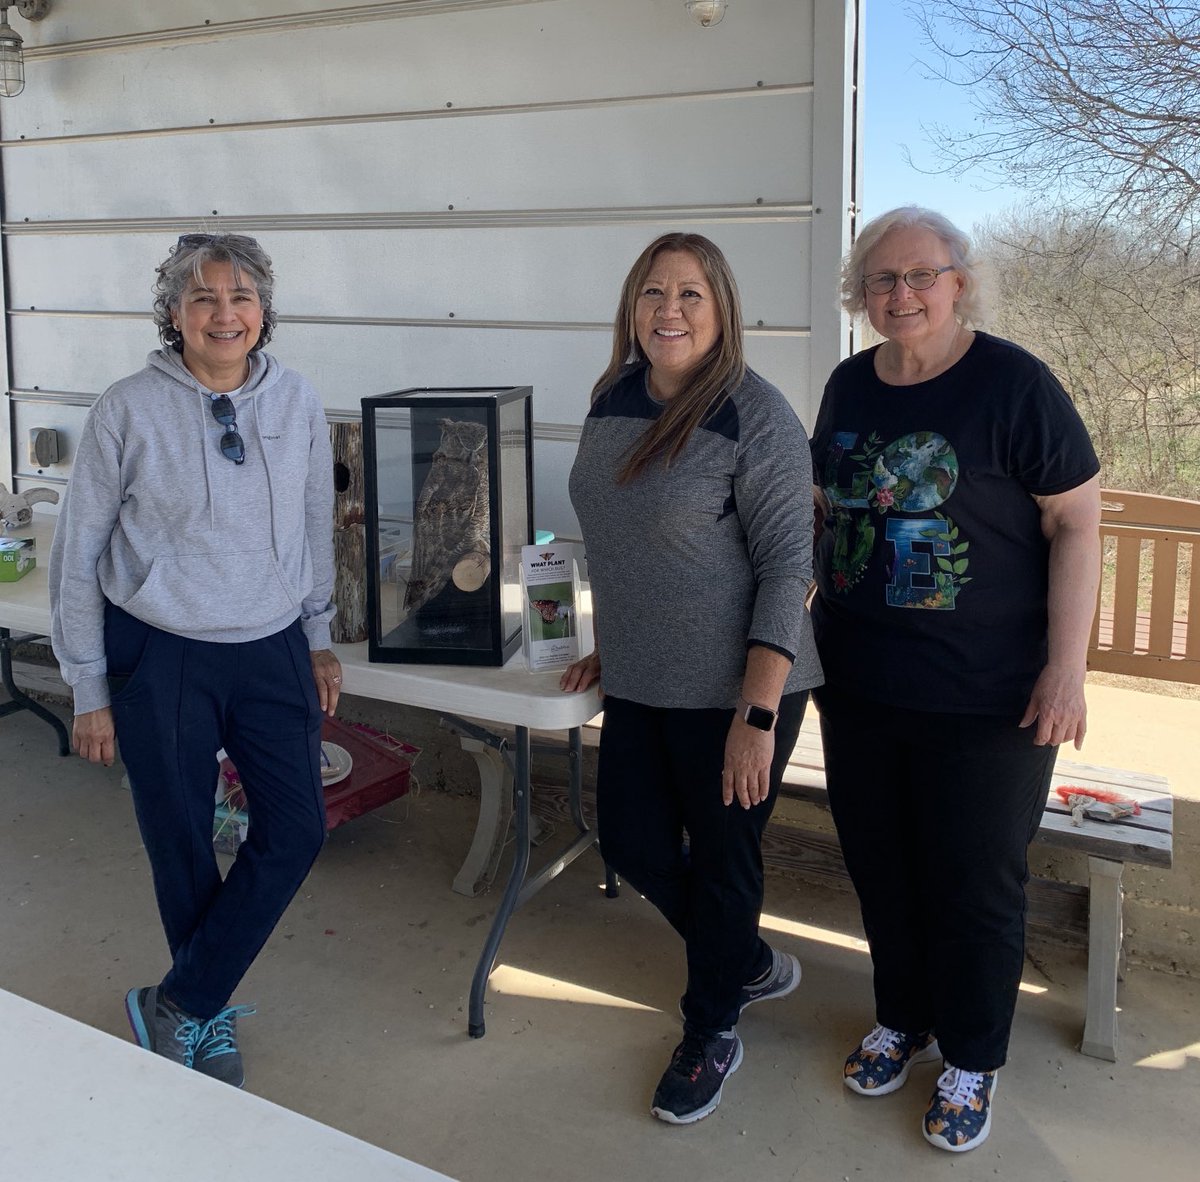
{"points": [[957, 569]]}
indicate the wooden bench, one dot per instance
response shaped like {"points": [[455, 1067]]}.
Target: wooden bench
{"points": [[1141, 840], [1145, 839]]}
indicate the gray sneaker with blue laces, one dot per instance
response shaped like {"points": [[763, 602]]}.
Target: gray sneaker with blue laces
{"points": [[161, 1028], [217, 1053], [208, 1047]]}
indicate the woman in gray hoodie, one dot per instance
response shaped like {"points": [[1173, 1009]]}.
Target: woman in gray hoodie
{"points": [[190, 582]]}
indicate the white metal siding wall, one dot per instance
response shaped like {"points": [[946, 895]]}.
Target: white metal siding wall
{"points": [[451, 190]]}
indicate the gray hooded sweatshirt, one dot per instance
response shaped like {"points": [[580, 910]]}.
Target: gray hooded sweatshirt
{"points": [[160, 523]]}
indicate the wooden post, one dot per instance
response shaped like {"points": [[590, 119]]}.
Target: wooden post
{"points": [[349, 534]]}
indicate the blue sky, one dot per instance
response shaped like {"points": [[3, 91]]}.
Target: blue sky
{"points": [[898, 99]]}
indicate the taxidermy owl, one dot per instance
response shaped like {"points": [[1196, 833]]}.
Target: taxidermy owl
{"points": [[451, 535], [16, 509]]}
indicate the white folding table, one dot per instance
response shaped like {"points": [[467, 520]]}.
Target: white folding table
{"points": [[25, 607], [510, 697], [81, 1104]]}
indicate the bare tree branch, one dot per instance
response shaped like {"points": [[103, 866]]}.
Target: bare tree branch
{"points": [[1074, 98]]}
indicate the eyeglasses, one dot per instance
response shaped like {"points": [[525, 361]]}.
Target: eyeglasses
{"points": [[233, 447], [192, 241], [918, 279]]}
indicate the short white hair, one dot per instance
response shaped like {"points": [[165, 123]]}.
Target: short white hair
{"points": [[970, 308]]}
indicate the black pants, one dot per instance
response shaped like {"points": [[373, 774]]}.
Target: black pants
{"points": [[935, 813], [660, 774], [176, 702]]}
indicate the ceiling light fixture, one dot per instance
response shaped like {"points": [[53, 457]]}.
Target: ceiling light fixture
{"points": [[12, 59]]}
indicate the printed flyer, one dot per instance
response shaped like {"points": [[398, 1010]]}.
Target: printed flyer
{"points": [[550, 591]]}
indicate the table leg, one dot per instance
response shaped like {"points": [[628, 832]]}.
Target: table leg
{"points": [[1104, 954], [21, 700], [518, 891], [612, 884], [516, 877]]}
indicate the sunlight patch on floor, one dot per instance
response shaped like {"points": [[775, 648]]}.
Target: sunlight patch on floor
{"points": [[522, 983], [808, 931], [1171, 1060]]}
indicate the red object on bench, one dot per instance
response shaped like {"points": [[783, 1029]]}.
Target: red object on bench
{"points": [[1104, 795]]}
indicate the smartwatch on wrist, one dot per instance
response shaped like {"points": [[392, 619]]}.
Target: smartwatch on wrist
{"points": [[758, 717]]}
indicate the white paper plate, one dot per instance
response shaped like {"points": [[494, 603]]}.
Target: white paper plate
{"points": [[340, 763]]}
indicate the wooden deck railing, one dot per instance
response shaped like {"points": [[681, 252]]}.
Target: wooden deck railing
{"points": [[1150, 590]]}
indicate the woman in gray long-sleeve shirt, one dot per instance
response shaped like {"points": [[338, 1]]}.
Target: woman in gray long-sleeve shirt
{"points": [[693, 495]]}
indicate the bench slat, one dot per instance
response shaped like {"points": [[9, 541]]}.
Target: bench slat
{"points": [[1111, 840], [1118, 778]]}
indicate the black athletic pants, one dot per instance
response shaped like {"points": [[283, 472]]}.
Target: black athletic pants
{"points": [[660, 774], [935, 813]]}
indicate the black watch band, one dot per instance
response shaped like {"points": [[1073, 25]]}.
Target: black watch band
{"points": [[759, 717]]}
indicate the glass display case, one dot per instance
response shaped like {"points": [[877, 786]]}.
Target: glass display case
{"points": [[449, 504]]}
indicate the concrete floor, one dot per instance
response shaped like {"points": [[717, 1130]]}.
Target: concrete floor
{"points": [[363, 1025]]}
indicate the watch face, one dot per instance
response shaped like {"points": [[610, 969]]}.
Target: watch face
{"points": [[760, 717]]}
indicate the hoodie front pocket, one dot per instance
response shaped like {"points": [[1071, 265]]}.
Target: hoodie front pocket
{"points": [[199, 594], [127, 644]]}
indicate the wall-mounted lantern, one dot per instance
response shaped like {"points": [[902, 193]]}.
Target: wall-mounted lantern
{"points": [[12, 57]]}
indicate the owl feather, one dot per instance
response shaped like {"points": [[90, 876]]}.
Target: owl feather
{"points": [[450, 519]]}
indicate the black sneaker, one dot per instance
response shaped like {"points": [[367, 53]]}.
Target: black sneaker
{"points": [[217, 1053], [691, 1086]]}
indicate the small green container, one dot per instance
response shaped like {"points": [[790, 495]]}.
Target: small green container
{"points": [[17, 558]]}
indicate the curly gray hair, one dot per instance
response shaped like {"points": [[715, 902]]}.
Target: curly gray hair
{"points": [[971, 306], [183, 266]]}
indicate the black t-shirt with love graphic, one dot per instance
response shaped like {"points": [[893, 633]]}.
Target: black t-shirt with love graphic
{"points": [[932, 568]]}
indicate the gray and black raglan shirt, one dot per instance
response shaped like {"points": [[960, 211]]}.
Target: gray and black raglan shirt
{"points": [[693, 563]]}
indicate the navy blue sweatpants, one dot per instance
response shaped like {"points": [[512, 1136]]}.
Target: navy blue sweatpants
{"points": [[175, 703]]}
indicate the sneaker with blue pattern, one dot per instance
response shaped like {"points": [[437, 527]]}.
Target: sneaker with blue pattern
{"points": [[960, 1112], [882, 1062]]}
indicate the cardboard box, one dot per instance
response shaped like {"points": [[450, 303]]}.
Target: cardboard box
{"points": [[17, 558]]}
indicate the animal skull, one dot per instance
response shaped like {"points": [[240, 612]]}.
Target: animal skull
{"points": [[16, 509]]}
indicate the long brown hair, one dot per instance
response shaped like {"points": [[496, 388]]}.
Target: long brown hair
{"points": [[709, 383]]}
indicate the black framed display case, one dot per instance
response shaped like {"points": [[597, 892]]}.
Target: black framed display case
{"points": [[449, 504]]}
